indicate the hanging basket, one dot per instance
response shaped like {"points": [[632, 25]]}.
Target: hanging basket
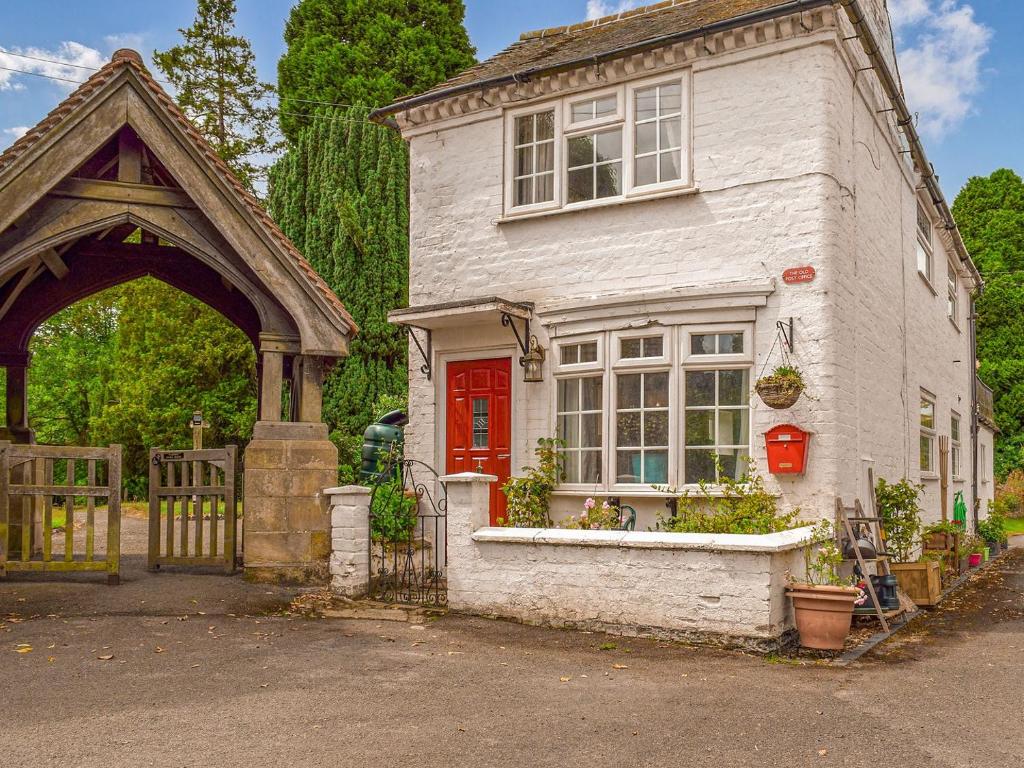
{"points": [[778, 391]]}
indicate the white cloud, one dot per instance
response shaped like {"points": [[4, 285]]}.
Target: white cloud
{"points": [[64, 62], [16, 131], [598, 8], [940, 47]]}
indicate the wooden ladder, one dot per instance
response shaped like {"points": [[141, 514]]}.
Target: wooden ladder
{"points": [[850, 524]]}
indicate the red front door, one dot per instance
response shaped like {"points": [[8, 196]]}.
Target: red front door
{"points": [[480, 422]]}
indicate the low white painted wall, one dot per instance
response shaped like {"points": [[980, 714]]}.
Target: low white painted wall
{"points": [[720, 589]]}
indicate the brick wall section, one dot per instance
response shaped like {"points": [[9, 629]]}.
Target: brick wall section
{"points": [[350, 539], [722, 590]]}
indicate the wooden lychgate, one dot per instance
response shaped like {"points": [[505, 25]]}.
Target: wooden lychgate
{"points": [[193, 515], [46, 489]]}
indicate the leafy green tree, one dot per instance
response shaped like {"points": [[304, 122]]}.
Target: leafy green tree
{"points": [[340, 194], [370, 52], [214, 74], [990, 213]]}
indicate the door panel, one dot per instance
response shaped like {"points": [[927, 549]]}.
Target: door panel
{"points": [[479, 428]]}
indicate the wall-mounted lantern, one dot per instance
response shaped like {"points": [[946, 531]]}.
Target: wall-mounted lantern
{"points": [[533, 362]]}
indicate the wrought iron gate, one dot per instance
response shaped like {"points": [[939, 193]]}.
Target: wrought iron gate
{"points": [[39, 484], [187, 523], [409, 536]]}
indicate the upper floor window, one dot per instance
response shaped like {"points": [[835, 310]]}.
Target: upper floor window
{"points": [[924, 243], [955, 450], [927, 434], [617, 143], [952, 295]]}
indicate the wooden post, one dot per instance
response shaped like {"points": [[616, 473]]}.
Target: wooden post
{"points": [[5, 505], [230, 512], [944, 476], [114, 516], [154, 510]]}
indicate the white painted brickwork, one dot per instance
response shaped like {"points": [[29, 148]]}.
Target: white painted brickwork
{"points": [[792, 166], [350, 539]]}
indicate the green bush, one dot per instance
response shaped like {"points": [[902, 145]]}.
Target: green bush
{"points": [[993, 528], [901, 516], [393, 514], [529, 496]]}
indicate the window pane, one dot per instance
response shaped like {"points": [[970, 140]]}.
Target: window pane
{"points": [[609, 145], [670, 163], [954, 429], [646, 170], [590, 430], [670, 133], [655, 468], [627, 429], [627, 467], [646, 138], [700, 428], [569, 354], [730, 343], [733, 388], [545, 191], [927, 414], [656, 428], [582, 110], [588, 352], [702, 343], [524, 129], [480, 421], [524, 191], [546, 125], [591, 400], [671, 98], [646, 104], [524, 161], [546, 156], [653, 346], [590, 471], [926, 453], [923, 261], [700, 388], [732, 427], [581, 151], [656, 390], [605, 106], [731, 463], [630, 348], [609, 180], [568, 395], [571, 465], [569, 430], [581, 185], [700, 466], [629, 391]]}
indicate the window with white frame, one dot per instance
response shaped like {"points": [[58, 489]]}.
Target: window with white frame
{"points": [[927, 462], [952, 296], [983, 463], [672, 407], [924, 243], [533, 158], [631, 139], [954, 445]]}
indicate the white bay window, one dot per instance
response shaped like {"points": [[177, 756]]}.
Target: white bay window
{"points": [[610, 145]]}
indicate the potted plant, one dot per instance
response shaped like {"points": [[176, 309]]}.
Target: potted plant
{"points": [[976, 549], [782, 388], [823, 604], [993, 529], [901, 518]]}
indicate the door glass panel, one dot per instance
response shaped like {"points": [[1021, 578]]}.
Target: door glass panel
{"points": [[481, 421]]}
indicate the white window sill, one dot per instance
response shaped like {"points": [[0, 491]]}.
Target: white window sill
{"points": [[928, 477], [692, 491], [927, 282], [955, 324], [637, 197]]}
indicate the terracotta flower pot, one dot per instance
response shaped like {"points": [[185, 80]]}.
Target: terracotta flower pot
{"points": [[823, 614], [974, 559]]}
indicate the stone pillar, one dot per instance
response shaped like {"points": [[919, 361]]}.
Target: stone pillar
{"points": [[469, 503], [287, 525], [350, 540]]}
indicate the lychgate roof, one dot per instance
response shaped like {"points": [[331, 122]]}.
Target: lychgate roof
{"points": [[548, 50]]}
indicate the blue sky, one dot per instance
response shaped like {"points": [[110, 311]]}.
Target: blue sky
{"points": [[961, 60]]}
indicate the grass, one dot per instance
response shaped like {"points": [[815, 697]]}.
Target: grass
{"points": [[137, 509], [1015, 525]]}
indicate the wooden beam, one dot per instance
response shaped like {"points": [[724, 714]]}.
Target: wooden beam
{"points": [[31, 273], [54, 263], [120, 192], [129, 158]]}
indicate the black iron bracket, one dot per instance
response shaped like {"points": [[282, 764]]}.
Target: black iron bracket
{"points": [[426, 369], [788, 333], [508, 322]]}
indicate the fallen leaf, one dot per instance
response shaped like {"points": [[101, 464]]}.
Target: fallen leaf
{"points": [[822, 752], [619, 666], [565, 679], [106, 657], [24, 649], [51, 659], [158, 649]]}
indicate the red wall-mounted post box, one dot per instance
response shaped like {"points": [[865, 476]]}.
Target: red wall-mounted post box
{"points": [[787, 449]]}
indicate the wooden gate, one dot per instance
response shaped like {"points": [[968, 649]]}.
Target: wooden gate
{"points": [[39, 485], [193, 514]]}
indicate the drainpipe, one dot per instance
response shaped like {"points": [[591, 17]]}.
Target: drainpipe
{"points": [[975, 416], [905, 120]]}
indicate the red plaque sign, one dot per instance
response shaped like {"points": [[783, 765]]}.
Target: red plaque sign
{"points": [[798, 275]]}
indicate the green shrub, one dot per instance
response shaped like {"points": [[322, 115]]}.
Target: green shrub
{"points": [[393, 513], [993, 528], [901, 516], [529, 496]]}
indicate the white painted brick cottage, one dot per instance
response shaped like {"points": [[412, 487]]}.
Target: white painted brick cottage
{"points": [[631, 191]]}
